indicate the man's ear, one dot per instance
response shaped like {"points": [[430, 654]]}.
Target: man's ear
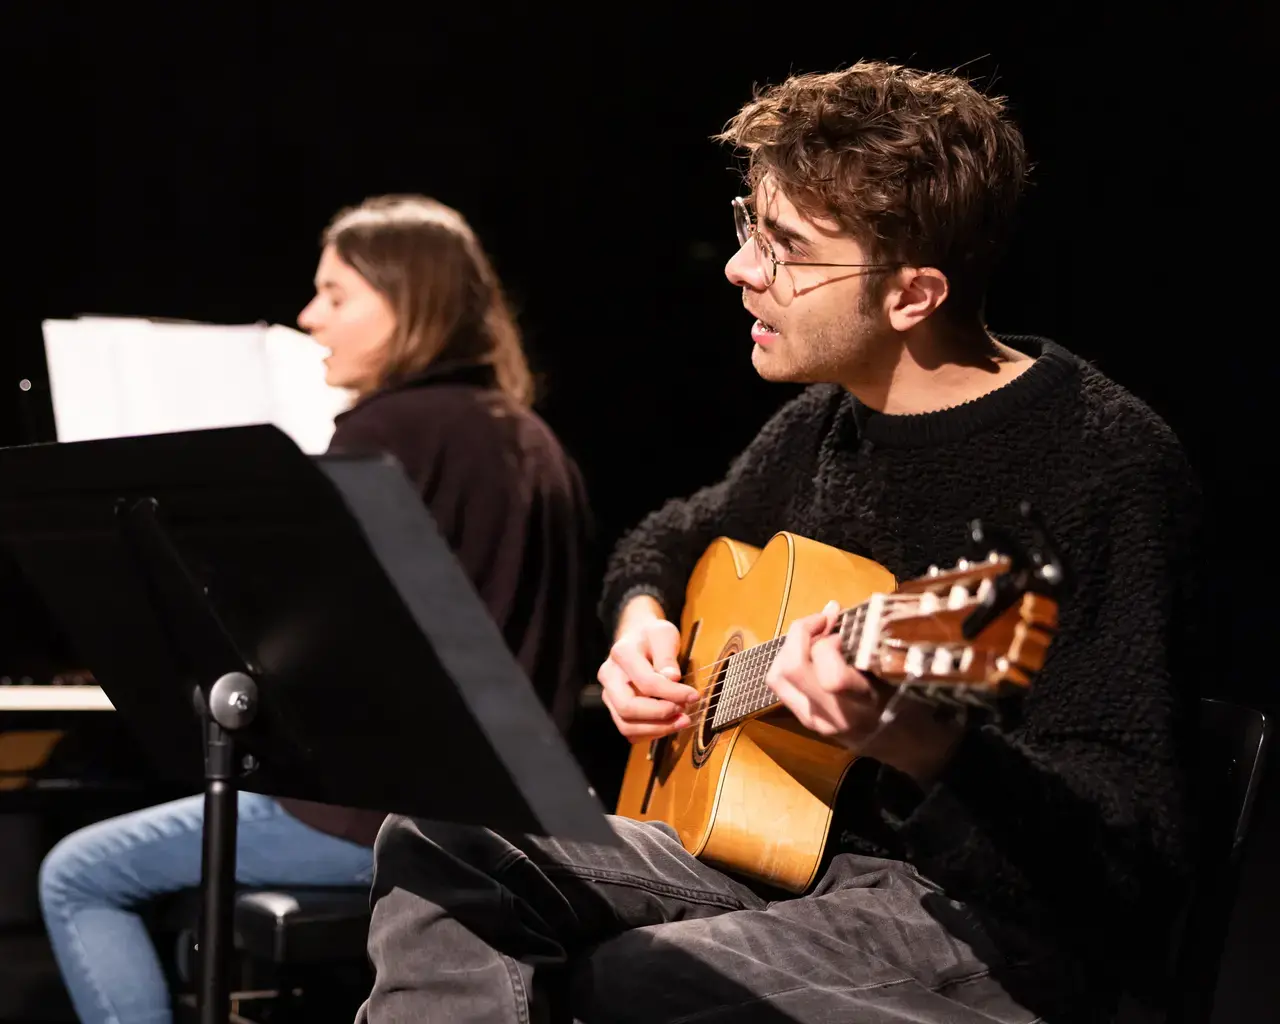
{"points": [[915, 295]]}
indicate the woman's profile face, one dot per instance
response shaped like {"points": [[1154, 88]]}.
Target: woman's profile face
{"points": [[350, 318]]}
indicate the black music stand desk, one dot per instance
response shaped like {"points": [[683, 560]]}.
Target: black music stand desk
{"points": [[288, 625]]}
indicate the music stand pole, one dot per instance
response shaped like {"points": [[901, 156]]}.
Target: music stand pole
{"points": [[232, 704]]}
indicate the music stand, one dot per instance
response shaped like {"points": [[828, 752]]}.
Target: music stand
{"points": [[289, 625]]}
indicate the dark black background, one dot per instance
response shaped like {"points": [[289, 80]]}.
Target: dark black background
{"points": [[179, 163], [175, 161]]}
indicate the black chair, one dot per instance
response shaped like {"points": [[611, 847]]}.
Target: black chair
{"points": [[1233, 745], [1231, 755]]}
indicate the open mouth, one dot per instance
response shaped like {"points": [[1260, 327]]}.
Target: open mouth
{"points": [[763, 332]]}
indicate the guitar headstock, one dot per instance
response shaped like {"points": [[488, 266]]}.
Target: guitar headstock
{"points": [[977, 630]]}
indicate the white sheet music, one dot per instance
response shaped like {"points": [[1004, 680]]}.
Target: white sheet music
{"points": [[126, 376]]}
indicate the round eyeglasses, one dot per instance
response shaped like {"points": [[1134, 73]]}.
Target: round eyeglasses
{"points": [[746, 227]]}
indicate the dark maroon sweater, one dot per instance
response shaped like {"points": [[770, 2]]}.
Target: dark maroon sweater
{"points": [[512, 506]]}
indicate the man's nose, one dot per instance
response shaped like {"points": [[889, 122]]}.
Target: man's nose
{"points": [[744, 270]]}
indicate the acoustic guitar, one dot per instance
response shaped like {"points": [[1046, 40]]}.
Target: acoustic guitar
{"points": [[749, 789]]}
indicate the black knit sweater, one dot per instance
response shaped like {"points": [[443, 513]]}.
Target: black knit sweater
{"points": [[1069, 826]]}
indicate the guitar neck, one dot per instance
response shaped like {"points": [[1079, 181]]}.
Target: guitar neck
{"points": [[743, 691]]}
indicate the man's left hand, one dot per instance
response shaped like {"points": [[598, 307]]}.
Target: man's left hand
{"points": [[833, 699]]}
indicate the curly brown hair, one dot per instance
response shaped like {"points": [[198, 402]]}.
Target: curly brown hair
{"points": [[920, 167], [450, 306]]}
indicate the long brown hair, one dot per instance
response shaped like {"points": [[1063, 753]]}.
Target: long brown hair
{"points": [[449, 304]]}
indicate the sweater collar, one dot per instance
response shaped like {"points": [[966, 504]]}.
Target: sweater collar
{"points": [[475, 374], [1053, 366]]}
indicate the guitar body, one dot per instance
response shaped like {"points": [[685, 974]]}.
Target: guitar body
{"points": [[754, 798]]}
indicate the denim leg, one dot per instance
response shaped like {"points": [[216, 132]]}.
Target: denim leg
{"points": [[93, 882], [472, 926], [873, 943], [469, 925]]}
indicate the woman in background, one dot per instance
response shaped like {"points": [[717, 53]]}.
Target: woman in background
{"points": [[418, 328]]}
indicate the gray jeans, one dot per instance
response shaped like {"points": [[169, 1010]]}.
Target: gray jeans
{"points": [[472, 927]]}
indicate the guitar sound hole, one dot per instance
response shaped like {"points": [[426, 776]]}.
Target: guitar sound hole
{"points": [[704, 736]]}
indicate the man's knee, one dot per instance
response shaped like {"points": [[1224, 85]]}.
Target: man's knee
{"points": [[412, 847], [397, 833], [398, 848]]}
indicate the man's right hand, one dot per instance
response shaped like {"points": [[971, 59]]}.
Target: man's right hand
{"points": [[640, 678]]}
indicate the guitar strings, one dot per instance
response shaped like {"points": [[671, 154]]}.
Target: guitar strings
{"points": [[744, 683], [706, 705], [898, 695], [752, 687], [858, 613], [701, 708], [698, 718], [749, 706]]}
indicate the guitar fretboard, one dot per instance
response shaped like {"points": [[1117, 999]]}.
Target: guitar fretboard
{"points": [[743, 691]]}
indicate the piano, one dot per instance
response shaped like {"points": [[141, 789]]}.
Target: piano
{"points": [[58, 730], [66, 760]]}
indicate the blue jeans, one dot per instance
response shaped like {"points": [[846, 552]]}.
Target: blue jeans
{"points": [[93, 882]]}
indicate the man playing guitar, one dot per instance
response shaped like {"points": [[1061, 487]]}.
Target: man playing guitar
{"points": [[978, 869]]}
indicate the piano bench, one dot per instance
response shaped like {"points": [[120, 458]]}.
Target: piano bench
{"points": [[298, 951], [297, 927]]}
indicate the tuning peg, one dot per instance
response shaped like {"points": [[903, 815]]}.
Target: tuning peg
{"points": [[1047, 564], [984, 541], [1041, 568], [1002, 595]]}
